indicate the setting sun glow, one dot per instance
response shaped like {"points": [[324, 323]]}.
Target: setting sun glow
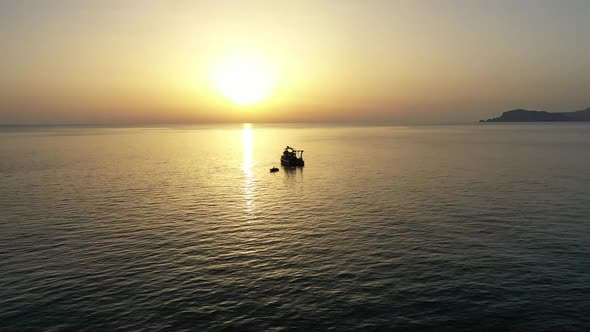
{"points": [[244, 80]]}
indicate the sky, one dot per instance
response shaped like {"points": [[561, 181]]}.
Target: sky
{"points": [[153, 62]]}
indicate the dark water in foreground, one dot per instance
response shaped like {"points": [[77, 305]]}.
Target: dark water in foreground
{"points": [[423, 228]]}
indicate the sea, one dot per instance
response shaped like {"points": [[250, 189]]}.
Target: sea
{"points": [[482, 227]]}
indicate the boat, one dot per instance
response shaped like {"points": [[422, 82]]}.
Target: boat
{"points": [[274, 169], [292, 157]]}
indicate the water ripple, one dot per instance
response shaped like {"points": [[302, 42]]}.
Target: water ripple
{"points": [[185, 229]]}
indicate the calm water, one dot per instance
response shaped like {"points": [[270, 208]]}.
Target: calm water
{"points": [[423, 228]]}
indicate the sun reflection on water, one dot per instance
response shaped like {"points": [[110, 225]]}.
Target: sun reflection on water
{"points": [[247, 143]]}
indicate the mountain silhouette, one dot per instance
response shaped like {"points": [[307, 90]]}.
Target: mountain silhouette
{"points": [[522, 115]]}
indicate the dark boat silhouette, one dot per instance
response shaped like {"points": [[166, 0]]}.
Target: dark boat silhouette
{"points": [[274, 169], [292, 157]]}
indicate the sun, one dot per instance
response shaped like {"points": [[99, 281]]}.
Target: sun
{"points": [[244, 80]]}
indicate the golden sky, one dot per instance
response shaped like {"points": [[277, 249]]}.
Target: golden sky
{"points": [[144, 62]]}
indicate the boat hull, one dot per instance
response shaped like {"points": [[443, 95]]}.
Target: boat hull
{"points": [[292, 162]]}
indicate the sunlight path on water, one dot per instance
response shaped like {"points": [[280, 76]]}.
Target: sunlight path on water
{"points": [[247, 141]]}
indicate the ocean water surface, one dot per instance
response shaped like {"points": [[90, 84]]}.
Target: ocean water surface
{"points": [[478, 227]]}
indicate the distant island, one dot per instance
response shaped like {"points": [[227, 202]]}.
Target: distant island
{"points": [[521, 115]]}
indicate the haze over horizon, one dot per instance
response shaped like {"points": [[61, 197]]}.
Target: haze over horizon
{"points": [[125, 62]]}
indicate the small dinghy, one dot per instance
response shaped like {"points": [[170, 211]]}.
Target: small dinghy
{"points": [[274, 169]]}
